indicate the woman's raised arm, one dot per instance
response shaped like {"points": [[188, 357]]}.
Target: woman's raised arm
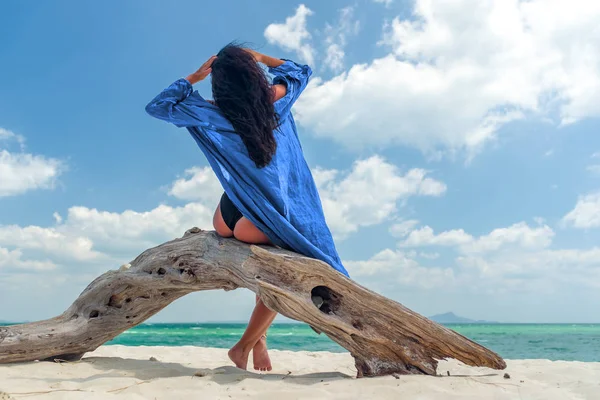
{"points": [[175, 105]]}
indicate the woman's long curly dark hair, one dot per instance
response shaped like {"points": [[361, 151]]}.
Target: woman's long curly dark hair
{"points": [[244, 95]]}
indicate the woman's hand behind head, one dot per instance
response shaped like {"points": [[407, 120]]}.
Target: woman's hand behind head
{"points": [[202, 72]]}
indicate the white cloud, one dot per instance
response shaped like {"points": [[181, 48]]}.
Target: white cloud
{"points": [[520, 235], [426, 237], [293, 35], [201, 184], [403, 228], [131, 231], [90, 237], [334, 57], [369, 193], [402, 269], [524, 270], [9, 135], [11, 259], [514, 259], [586, 213], [387, 3], [453, 78], [594, 168], [336, 38], [49, 241], [429, 256], [21, 172]]}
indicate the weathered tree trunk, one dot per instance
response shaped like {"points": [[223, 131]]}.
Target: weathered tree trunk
{"points": [[383, 336]]}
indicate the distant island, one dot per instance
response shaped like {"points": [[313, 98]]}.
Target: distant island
{"points": [[451, 318]]}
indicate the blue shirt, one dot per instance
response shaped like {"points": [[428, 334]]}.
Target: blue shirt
{"points": [[280, 199]]}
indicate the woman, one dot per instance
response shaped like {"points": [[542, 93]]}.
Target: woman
{"points": [[249, 137]]}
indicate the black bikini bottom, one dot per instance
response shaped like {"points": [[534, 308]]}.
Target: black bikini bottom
{"points": [[231, 215]]}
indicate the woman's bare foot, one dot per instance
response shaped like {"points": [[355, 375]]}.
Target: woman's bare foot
{"points": [[262, 362], [239, 356]]}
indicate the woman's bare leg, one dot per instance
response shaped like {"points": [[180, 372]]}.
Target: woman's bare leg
{"points": [[254, 337], [261, 319], [260, 354], [246, 232], [219, 224]]}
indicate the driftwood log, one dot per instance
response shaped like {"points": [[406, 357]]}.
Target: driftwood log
{"points": [[383, 336]]}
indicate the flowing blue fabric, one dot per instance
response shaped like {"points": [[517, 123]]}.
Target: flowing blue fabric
{"points": [[280, 199]]}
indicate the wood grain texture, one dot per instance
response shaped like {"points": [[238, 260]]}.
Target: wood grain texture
{"points": [[382, 335]]}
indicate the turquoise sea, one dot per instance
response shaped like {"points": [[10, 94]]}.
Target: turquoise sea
{"points": [[572, 342]]}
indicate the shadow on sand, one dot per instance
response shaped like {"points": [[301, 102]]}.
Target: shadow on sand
{"points": [[149, 370]]}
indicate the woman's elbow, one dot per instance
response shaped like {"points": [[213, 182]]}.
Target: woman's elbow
{"points": [[152, 109], [160, 110]]}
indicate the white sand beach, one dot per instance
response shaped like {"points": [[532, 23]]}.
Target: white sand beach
{"points": [[122, 372]]}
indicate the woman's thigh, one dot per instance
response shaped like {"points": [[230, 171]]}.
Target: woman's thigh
{"points": [[245, 231], [220, 225]]}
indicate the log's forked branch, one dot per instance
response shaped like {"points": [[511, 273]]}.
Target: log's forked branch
{"points": [[383, 336]]}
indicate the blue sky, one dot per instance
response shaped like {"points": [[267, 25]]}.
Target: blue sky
{"points": [[454, 145]]}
